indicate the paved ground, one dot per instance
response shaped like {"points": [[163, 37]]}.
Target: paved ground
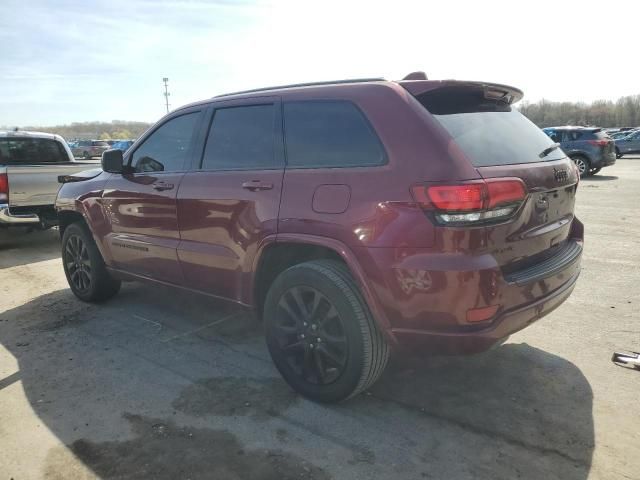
{"points": [[160, 384]]}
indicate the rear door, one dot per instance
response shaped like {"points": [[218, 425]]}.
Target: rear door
{"points": [[141, 205], [228, 204]]}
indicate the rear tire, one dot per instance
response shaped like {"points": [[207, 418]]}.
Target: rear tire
{"points": [[618, 154], [87, 155], [84, 267], [583, 165], [320, 333]]}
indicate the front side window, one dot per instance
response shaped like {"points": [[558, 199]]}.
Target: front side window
{"points": [[242, 138], [329, 134], [31, 151], [166, 149]]}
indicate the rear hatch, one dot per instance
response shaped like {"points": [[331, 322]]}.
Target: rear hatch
{"points": [[600, 140], [505, 147]]}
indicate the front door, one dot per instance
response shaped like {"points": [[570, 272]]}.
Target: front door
{"points": [[140, 205], [229, 203]]}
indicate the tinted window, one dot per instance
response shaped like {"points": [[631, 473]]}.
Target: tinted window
{"points": [[489, 132], [241, 138], [31, 151], [329, 134], [573, 135], [167, 147]]}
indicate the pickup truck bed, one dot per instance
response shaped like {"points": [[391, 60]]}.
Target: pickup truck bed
{"points": [[28, 187]]}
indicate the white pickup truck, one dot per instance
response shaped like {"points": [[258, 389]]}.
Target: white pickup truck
{"points": [[30, 164]]}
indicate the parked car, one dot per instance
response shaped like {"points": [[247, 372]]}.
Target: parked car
{"points": [[90, 148], [628, 144], [620, 134], [354, 217], [590, 148], [30, 163], [122, 145]]}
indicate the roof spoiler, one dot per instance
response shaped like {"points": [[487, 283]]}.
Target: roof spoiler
{"points": [[492, 91]]}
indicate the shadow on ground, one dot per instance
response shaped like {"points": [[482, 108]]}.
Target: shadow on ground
{"points": [[599, 178], [171, 391], [33, 246]]}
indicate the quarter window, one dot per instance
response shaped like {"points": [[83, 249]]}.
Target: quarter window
{"points": [[329, 134], [242, 138], [166, 149]]}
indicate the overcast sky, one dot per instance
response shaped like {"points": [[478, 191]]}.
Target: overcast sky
{"points": [[68, 61]]}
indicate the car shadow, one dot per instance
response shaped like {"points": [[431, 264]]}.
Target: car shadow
{"points": [[164, 384], [33, 246], [599, 178]]}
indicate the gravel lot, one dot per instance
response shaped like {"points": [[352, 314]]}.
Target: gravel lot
{"points": [[162, 384]]}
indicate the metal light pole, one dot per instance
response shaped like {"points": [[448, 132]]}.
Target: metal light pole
{"points": [[166, 92]]}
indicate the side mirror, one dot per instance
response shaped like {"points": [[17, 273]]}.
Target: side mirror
{"points": [[112, 161]]}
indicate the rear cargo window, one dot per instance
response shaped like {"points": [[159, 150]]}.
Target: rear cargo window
{"points": [[329, 134], [489, 132], [31, 151]]}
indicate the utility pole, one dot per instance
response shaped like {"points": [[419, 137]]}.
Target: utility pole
{"points": [[166, 92]]}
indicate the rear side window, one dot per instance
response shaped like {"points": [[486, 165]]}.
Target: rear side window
{"points": [[166, 149], [489, 132], [572, 135], [31, 151], [329, 134], [241, 138]]}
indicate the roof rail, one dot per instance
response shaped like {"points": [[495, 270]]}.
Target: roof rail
{"points": [[310, 84]]}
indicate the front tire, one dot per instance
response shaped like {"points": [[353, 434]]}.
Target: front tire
{"points": [[595, 171], [320, 333], [87, 156], [84, 267], [618, 154], [582, 164]]}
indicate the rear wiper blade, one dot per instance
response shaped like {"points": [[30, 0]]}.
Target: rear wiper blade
{"points": [[548, 150]]}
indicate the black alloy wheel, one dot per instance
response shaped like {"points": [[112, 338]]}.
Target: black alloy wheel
{"points": [[76, 259], [311, 335]]}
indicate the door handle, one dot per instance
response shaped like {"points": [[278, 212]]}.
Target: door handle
{"points": [[255, 185], [161, 186]]}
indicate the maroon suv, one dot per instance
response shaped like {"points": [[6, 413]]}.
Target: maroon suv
{"points": [[355, 217]]}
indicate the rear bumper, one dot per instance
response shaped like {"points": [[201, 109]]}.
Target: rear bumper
{"points": [[605, 161], [428, 300], [7, 218], [480, 340]]}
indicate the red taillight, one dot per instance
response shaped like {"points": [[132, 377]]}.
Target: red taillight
{"points": [[502, 192], [457, 197], [599, 143], [4, 188], [474, 201]]}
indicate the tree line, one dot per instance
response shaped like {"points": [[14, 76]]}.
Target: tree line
{"points": [[116, 129], [624, 112]]}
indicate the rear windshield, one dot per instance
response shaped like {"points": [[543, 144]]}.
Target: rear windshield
{"points": [[31, 151], [489, 132]]}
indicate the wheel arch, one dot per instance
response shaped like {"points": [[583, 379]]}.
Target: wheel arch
{"points": [[298, 248], [67, 217]]}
